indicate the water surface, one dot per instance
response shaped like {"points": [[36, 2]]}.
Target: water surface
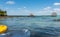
{"points": [[38, 26]]}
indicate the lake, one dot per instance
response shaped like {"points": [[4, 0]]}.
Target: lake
{"points": [[42, 26]]}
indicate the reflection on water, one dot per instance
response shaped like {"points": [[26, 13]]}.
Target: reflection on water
{"points": [[38, 26]]}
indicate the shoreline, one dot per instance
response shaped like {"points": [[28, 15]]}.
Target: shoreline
{"points": [[28, 16]]}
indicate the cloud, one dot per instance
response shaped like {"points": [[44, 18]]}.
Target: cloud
{"points": [[57, 4], [56, 9], [24, 7], [49, 10], [1, 6], [10, 2], [23, 10], [18, 8]]}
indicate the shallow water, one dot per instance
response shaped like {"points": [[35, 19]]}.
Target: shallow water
{"points": [[38, 26]]}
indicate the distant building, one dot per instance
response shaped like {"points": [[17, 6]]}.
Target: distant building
{"points": [[3, 13], [54, 14], [31, 14]]}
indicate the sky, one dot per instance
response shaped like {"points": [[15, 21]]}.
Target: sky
{"points": [[26, 7]]}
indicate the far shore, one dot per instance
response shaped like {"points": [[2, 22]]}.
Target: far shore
{"points": [[27, 16]]}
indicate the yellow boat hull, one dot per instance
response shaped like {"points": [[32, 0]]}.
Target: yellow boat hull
{"points": [[3, 29]]}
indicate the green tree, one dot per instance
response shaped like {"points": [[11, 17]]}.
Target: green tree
{"points": [[3, 13]]}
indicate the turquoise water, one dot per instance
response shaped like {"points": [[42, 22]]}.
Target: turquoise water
{"points": [[38, 26]]}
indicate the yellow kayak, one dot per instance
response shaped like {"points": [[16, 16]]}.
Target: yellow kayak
{"points": [[3, 29]]}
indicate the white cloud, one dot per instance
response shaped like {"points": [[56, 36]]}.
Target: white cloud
{"points": [[57, 4], [56, 9], [24, 7], [10, 2], [24, 11], [49, 10], [19, 8], [1, 6]]}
